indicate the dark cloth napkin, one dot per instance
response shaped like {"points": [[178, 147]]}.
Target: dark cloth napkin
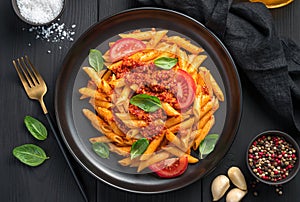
{"points": [[271, 63]]}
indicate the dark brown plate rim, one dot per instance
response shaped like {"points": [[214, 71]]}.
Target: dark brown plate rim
{"points": [[130, 20]]}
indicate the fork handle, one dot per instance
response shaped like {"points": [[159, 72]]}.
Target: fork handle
{"points": [[44, 108], [63, 150]]}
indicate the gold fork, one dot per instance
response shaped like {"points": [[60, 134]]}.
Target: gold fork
{"points": [[36, 88], [32, 81]]}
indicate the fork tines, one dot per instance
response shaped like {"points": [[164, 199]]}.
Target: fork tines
{"points": [[26, 71]]}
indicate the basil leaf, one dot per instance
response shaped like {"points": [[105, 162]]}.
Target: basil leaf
{"points": [[138, 147], [165, 62], [36, 128], [101, 149], [96, 59], [208, 144], [146, 102], [30, 154]]}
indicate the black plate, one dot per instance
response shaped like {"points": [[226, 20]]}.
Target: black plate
{"points": [[76, 130]]}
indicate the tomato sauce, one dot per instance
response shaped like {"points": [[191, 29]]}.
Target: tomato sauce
{"points": [[153, 81]]}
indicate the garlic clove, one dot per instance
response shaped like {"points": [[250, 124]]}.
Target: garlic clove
{"points": [[219, 187], [235, 195], [237, 178]]}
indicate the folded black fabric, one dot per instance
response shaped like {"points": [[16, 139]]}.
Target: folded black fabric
{"points": [[272, 64]]}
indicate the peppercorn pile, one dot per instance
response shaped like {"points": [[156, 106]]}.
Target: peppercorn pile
{"points": [[271, 158]]}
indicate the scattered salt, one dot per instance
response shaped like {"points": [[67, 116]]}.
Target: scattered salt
{"points": [[44, 11], [55, 32], [40, 11]]}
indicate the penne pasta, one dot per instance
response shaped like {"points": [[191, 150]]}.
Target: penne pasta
{"points": [[216, 88], [138, 35], [182, 59], [152, 160], [126, 161], [170, 111], [175, 120], [118, 83], [108, 117], [206, 76], [106, 75], [192, 137], [105, 87], [115, 65], [198, 60], [88, 92], [103, 127], [177, 152], [206, 108], [96, 120], [105, 114], [100, 139], [157, 37], [132, 133], [135, 123], [149, 55], [197, 108], [205, 99], [93, 75], [123, 151], [185, 44], [154, 144], [204, 119], [170, 131], [191, 57], [205, 130], [173, 139], [184, 125], [185, 138], [100, 103], [124, 95], [165, 47], [129, 162]]}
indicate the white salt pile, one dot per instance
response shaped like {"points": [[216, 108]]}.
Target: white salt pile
{"points": [[40, 11]]}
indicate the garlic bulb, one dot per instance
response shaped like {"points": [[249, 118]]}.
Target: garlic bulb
{"points": [[235, 195], [237, 178], [219, 187]]}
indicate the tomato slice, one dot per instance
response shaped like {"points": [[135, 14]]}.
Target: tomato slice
{"points": [[186, 89], [171, 167], [125, 47]]}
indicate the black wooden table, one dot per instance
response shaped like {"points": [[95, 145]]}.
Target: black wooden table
{"points": [[53, 181]]}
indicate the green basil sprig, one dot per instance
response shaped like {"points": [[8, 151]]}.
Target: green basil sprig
{"points": [[30, 154], [146, 102], [96, 59], [208, 144], [36, 128], [101, 149], [138, 147], [165, 62]]}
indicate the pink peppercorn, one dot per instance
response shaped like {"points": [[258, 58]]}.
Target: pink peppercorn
{"points": [[269, 161]]}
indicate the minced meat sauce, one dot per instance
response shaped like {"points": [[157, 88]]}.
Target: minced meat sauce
{"points": [[152, 81]]}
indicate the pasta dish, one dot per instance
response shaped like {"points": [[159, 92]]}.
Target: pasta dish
{"points": [[153, 101]]}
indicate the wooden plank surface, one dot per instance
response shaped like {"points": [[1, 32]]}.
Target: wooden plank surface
{"points": [[52, 181]]}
